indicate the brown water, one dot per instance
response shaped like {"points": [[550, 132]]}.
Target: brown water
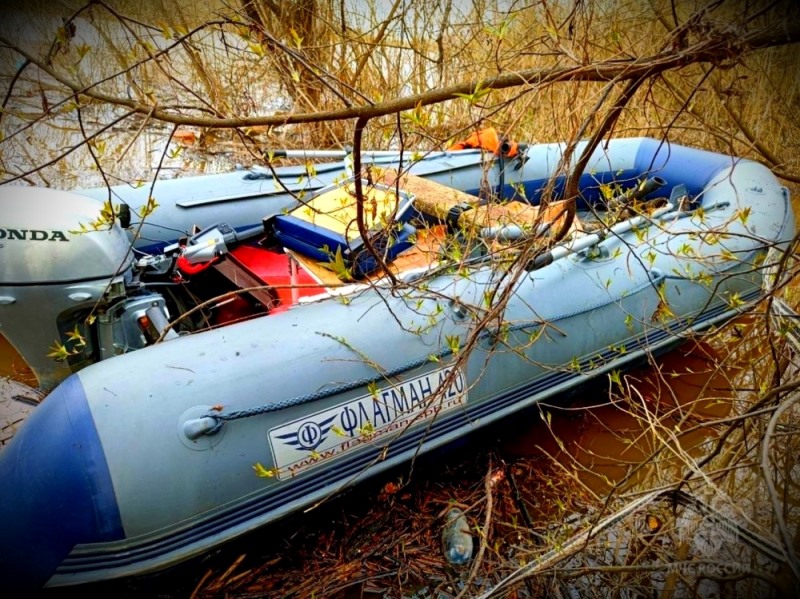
{"points": [[602, 440], [13, 366]]}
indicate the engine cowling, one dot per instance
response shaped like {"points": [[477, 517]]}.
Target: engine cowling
{"points": [[58, 261], [52, 236]]}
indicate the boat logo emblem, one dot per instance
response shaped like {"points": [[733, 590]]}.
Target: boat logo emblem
{"points": [[308, 435]]}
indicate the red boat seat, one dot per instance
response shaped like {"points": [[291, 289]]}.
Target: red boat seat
{"points": [[289, 280]]}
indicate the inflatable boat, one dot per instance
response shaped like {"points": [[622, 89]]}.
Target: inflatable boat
{"points": [[340, 350]]}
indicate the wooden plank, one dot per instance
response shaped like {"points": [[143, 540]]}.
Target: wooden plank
{"points": [[437, 200], [432, 198]]}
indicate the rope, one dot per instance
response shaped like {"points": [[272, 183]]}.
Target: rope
{"points": [[322, 394]]}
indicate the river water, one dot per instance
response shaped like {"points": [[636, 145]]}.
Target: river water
{"points": [[602, 437]]}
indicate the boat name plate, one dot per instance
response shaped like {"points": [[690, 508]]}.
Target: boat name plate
{"points": [[371, 419]]}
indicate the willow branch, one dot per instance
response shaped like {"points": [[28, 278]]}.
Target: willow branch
{"points": [[571, 188], [791, 556], [713, 49], [487, 523], [359, 189]]}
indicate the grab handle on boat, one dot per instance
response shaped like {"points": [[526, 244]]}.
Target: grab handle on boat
{"points": [[197, 427]]}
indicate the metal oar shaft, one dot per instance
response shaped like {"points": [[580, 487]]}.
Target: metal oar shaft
{"points": [[582, 243]]}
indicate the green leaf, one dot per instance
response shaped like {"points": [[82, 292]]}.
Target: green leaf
{"points": [[744, 214], [735, 300], [453, 343], [148, 208], [337, 265], [418, 116], [700, 214], [262, 472], [257, 49], [373, 389], [298, 41], [477, 94], [501, 31], [76, 336], [62, 36], [59, 352], [615, 377], [705, 278], [99, 146]]}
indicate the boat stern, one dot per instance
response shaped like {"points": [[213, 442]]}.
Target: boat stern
{"points": [[56, 490]]}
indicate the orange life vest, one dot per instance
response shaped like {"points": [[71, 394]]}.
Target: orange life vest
{"points": [[488, 139]]}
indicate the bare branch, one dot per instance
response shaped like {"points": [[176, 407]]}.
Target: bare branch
{"points": [[713, 49]]}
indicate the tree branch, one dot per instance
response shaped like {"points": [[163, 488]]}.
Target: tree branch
{"points": [[713, 49]]}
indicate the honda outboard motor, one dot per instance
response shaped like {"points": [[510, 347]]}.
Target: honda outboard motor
{"points": [[65, 300]]}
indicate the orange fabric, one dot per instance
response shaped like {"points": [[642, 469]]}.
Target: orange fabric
{"points": [[487, 139]]}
